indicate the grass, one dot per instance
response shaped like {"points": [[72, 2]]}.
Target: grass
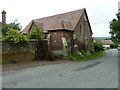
{"points": [[84, 56]]}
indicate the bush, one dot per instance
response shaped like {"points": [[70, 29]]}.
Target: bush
{"points": [[83, 55], [112, 46], [98, 47], [91, 51], [15, 36], [73, 57], [43, 52]]}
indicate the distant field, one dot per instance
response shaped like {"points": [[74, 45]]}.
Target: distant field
{"points": [[102, 38]]}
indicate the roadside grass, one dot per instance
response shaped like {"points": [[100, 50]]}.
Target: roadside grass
{"points": [[84, 56]]}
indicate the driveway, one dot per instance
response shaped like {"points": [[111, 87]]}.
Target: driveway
{"points": [[99, 73]]}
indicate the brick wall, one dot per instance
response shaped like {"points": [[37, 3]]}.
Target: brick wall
{"points": [[56, 39]]}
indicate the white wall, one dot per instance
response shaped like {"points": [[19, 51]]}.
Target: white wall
{"points": [[106, 46]]}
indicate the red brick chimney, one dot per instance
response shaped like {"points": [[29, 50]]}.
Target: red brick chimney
{"points": [[3, 17]]}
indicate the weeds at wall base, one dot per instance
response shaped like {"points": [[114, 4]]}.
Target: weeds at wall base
{"points": [[77, 57]]}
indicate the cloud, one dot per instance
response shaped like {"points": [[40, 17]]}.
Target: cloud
{"points": [[101, 30], [99, 11]]}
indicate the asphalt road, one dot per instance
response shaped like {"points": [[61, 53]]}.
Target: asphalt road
{"points": [[99, 73]]}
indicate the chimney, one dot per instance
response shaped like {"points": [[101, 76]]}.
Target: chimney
{"points": [[3, 17]]}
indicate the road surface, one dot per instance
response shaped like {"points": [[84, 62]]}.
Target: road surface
{"points": [[99, 73]]}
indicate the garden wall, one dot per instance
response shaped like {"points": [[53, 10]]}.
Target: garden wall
{"points": [[18, 52]]}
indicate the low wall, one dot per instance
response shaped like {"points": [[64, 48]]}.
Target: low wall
{"points": [[18, 52]]}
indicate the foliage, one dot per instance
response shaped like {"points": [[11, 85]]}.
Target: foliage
{"points": [[15, 36], [98, 46], [0, 31], [115, 29], [43, 52], [36, 33], [7, 27], [80, 57], [113, 46]]}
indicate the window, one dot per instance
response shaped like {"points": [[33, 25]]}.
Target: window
{"points": [[80, 29], [85, 18]]}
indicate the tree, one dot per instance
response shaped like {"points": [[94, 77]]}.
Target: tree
{"points": [[36, 33], [115, 29], [42, 51], [15, 36], [7, 27]]}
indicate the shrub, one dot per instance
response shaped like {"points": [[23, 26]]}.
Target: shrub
{"points": [[91, 51], [15, 36], [43, 52], [112, 46], [83, 55], [98, 47]]}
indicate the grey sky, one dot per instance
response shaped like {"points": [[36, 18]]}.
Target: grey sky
{"points": [[100, 12]]}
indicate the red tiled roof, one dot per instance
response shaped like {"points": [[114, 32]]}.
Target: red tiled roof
{"points": [[106, 42], [62, 25], [67, 21]]}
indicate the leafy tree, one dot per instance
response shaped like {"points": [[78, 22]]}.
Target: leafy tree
{"points": [[15, 36], [115, 29], [36, 33], [7, 27], [42, 51]]}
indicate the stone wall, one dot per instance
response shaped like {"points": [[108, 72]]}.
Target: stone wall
{"points": [[84, 39], [18, 52]]}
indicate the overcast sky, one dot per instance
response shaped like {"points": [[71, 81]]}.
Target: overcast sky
{"points": [[100, 12]]}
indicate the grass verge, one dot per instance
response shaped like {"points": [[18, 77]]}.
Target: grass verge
{"points": [[84, 56]]}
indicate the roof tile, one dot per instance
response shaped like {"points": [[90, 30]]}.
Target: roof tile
{"points": [[67, 21]]}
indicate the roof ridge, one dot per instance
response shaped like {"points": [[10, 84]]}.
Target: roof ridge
{"points": [[61, 13], [66, 20]]}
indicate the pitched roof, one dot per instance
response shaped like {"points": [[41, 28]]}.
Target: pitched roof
{"points": [[106, 42], [66, 21]]}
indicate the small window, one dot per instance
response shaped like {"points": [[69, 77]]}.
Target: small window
{"points": [[80, 29], [85, 18]]}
